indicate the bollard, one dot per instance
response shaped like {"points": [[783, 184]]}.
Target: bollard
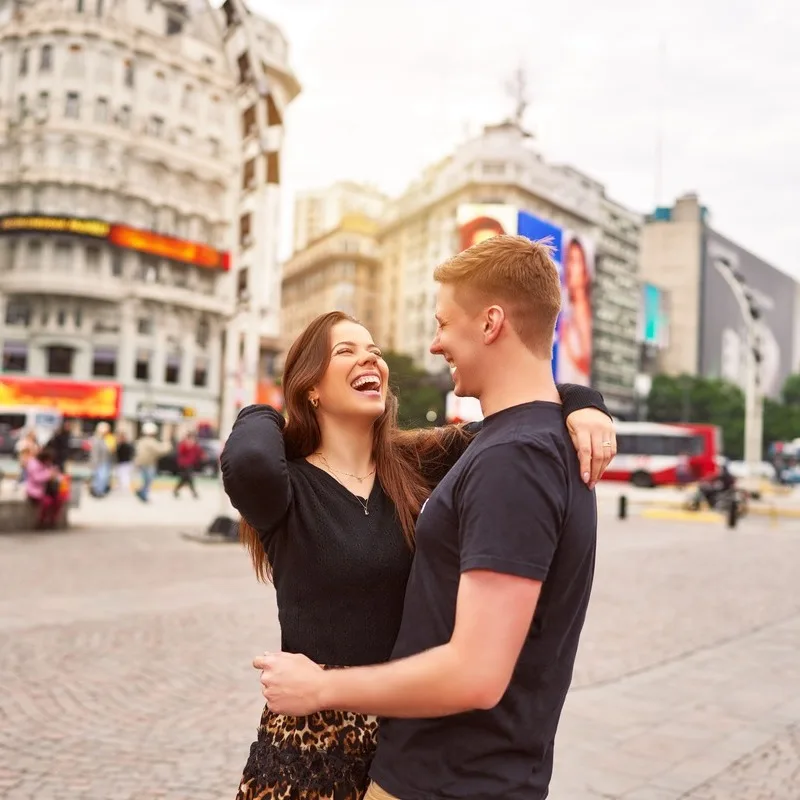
{"points": [[623, 507], [733, 513]]}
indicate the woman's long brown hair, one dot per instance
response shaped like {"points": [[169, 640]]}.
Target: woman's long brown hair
{"points": [[405, 461]]}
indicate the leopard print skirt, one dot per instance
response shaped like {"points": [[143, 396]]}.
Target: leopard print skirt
{"points": [[325, 756]]}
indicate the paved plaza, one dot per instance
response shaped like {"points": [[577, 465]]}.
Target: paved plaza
{"points": [[125, 660]]}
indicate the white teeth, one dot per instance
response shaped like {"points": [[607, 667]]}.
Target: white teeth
{"points": [[452, 368], [364, 380]]}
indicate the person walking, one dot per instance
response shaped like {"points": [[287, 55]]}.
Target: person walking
{"points": [[189, 457], [124, 454], [148, 450]]}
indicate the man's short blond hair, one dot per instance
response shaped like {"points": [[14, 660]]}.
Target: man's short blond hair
{"points": [[516, 273]]}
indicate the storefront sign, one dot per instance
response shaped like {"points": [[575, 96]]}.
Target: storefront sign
{"points": [[161, 412], [71, 398], [78, 227]]}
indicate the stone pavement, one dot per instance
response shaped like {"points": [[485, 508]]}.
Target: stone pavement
{"points": [[125, 661]]}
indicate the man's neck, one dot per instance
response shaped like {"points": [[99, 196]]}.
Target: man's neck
{"points": [[518, 383], [347, 447]]}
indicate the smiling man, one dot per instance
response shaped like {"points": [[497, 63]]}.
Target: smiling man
{"points": [[503, 567]]}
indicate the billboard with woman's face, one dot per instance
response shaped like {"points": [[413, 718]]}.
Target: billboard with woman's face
{"points": [[573, 255], [575, 321]]}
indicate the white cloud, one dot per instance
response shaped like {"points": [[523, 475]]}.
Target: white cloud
{"points": [[390, 87]]}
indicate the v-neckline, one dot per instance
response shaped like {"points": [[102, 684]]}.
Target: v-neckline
{"points": [[342, 487]]}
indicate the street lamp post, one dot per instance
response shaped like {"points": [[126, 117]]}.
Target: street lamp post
{"points": [[754, 398]]}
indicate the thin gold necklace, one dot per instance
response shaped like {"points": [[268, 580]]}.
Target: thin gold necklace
{"points": [[360, 479], [363, 503]]}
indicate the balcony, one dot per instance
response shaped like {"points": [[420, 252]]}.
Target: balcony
{"points": [[52, 282]]}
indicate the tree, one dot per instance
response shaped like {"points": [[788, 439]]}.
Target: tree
{"points": [[418, 392], [791, 391], [687, 398]]}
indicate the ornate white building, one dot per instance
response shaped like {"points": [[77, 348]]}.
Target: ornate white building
{"points": [[138, 191]]}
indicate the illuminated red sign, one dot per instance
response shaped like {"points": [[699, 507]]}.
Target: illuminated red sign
{"points": [[195, 253], [155, 244], [71, 398]]}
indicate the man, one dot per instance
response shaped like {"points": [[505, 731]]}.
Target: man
{"points": [[503, 568], [189, 456]]}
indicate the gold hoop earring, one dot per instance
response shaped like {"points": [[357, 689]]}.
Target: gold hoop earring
{"points": [[314, 402]]}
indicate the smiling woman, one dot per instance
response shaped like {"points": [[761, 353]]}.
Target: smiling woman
{"points": [[329, 500]]}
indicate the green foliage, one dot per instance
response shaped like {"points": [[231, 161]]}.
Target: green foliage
{"points": [[687, 398], [417, 392]]}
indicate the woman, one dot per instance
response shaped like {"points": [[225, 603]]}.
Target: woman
{"points": [[575, 333], [43, 487], [328, 504]]}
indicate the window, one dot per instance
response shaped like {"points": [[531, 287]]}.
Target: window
{"points": [[249, 174], [18, 312], [213, 146], [245, 73], [79, 6], [78, 317], [174, 26], [200, 379], [124, 117], [273, 168], [105, 67], [142, 370], [63, 256], [74, 60], [59, 360], [245, 238], [156, 126], [23, 106], [160, 89], [44, 102], [73, 107], [172, 370], [23, 61], [93, 260], [101, 110], [145, 326], [104, 362], [249, 122], [184, 136], [61, 318], [99, 8], [203, 333], [117, 267], [149, 270], [187, 99], [130, 72], [46, 58], [15, 356], [242, 280], [69, 154], [34, 259]]}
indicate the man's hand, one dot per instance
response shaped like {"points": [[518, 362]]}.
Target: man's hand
{"points": [[592, 433], [291, 683]]}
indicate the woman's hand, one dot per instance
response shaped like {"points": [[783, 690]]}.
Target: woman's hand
{"points": [[592, 433], [291, 683]]}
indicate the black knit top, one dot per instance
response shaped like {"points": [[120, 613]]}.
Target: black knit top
{"points": [[340, 574]]}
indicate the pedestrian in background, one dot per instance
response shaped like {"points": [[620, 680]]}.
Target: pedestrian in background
{"points": [[190, 454], [148, 451], [125, 454]]}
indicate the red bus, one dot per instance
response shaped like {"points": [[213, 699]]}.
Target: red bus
{"points": [[648, 453]]}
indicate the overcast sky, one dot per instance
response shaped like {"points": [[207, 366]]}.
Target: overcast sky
{"points": [[389, 87]]}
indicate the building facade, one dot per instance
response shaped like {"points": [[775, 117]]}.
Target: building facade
{"points": [[318, 212], [339, 271], [680, 250], [502, 168], [121, 171]]}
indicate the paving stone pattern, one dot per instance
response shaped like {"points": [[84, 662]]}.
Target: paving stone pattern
{"points": [[125, 663]]}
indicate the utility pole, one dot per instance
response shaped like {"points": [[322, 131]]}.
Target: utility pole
{"points": [[754, 397]]}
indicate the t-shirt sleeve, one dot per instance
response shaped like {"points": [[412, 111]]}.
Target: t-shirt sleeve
{"points": [[511, 507]]}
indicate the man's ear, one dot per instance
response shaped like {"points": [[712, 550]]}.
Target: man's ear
{"points": [[494, 318]]}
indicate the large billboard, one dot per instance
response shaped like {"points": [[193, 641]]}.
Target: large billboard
{"points": [[653, 322], [71, 398], [574, 257], [722, 328]]}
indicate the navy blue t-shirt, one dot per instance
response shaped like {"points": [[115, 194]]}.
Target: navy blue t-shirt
{"points": [[514, 503]]}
